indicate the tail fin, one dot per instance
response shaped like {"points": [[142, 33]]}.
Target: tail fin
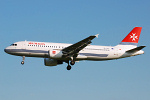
{"points": [[133, 37]]}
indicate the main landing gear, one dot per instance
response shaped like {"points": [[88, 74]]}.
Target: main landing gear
{"points": [[22, 62], [72, 63]]}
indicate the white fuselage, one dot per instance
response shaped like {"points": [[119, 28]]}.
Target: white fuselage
{"points": [[91, 52]]}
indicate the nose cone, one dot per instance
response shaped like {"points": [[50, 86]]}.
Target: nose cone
{"points": [[6, 50]]}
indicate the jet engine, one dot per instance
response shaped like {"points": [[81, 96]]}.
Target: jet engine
{"points": [[55, 54], [52, 62]]}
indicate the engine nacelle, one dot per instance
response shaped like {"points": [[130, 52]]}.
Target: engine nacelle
{"points": [[52, 62], [55, 54]]}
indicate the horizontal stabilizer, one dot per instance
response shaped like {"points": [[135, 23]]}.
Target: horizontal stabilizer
{"points": [[135, 49]]}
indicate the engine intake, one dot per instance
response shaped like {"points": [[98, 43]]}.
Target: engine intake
{"points": [[52, 62]]}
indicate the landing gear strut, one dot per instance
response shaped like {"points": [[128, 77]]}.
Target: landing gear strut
{"points": [[22, 62]]}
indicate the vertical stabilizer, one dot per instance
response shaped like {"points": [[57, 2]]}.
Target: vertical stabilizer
{"points": [[133, 37]]}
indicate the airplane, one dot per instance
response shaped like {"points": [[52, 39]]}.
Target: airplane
{"points": [[56, 53]]}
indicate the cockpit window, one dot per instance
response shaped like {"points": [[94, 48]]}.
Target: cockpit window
{"points": [[13, 45]]}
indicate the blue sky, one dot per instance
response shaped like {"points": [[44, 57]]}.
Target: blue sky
{"points": [[69, 21]]}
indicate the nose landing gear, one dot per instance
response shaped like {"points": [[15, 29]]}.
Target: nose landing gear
{"points": [[22, 62]]}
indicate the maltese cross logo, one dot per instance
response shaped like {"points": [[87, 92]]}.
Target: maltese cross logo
{"points": [[53, 52], [133, 37]]}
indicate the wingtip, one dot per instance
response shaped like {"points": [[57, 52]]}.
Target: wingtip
{"points": [[97, 35]]}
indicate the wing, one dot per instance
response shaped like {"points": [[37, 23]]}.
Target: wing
{"points": [[72, 50]]}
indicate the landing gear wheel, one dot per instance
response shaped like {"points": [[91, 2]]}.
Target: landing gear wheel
{"points": [[22, 62], [68, 67], [72, 62]]}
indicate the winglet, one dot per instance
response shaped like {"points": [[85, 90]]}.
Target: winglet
{"points": [[97, 35]]}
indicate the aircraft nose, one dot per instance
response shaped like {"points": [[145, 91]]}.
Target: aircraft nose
{"points": [[5, 50]]}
